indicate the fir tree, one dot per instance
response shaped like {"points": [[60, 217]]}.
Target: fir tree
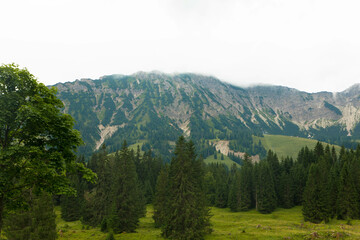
{"points": [[245, 200], [72, 206], [128, 203], [234, 191], [316, 198], [347, 201], [99, 201], [187, 216], [38, 222], [161, 197], [265, 190]]}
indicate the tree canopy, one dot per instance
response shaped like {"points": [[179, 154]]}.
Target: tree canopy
{"points": [[37, 141]]}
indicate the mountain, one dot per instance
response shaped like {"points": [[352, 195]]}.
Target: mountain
{"points": [[156, 108]]}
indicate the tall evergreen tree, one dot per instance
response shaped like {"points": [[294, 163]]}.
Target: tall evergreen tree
{"points": [[234, 191], [348, 198], [161, 196], [38, 222], [72, 206], [245, 199], [265, 190], [316, 198], [97, 206], [128, 203], [187, 216]]}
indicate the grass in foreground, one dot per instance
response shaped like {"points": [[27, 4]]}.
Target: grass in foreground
{"points": [[281, 224]]}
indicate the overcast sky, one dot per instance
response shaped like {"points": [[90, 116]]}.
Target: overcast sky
{"points": [[306, 44]]}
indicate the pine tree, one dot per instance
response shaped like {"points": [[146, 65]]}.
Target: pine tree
{"points": [[43, 218], [299, 177], [98, 205], [316, 206], [275, 171], [347, 201], [161, 196], [38, 222], [221, 186], [245, 200], [265, 190], [286, 192], [234, 191], [72, 206], [187, 216], [128, 203]]}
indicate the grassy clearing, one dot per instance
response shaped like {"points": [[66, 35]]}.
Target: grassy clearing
{"points": [[138, 143], [287, 145], [281, 224]]}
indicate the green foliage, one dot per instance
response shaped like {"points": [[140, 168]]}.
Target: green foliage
{"points": [[265, 196], [161, 197], [186, 213], [128, 204], [37, 222], [347, 201], [110, 236], [37, 141], [72, 207], [99, 199], [316, 201]]}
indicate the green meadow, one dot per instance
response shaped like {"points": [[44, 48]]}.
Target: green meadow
{"points": [[287, 145], [281, 224], [227, 161]]}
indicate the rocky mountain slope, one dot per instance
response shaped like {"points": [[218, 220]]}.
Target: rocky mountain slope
{"points": [[159, 107]]}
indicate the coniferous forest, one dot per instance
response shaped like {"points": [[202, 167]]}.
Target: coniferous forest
{"points": [[324, 182], [111, 190]]}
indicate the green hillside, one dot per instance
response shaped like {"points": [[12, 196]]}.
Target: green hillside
{"points": [[281, 224], [287, 145]]}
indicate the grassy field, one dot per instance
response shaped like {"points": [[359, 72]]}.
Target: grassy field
{"points": [[227, 161], [287, 145], [281, 224]]}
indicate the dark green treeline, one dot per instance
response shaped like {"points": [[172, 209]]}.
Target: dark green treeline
{"points": [[325, 183], [128, 180]]}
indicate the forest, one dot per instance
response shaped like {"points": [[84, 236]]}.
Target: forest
{"points": [[112, 189], [323, 182]]}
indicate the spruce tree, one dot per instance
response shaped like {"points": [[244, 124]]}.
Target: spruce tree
{"points": [[187, 216], [221, 186], [245, 200], [38, 222], [347, 201], [161, 196], [128, 203], [98, 204], [265, 190], [316, 206], [72, 206], [234, 191]]}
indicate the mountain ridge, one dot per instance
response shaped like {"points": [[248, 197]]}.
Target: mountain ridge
{"points": [[203, 107]]}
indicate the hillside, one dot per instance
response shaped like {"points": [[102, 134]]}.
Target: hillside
{"points": [[286, 145], [159, 107]]}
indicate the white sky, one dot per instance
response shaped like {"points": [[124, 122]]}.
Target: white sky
{"points": [[311, 45]]}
